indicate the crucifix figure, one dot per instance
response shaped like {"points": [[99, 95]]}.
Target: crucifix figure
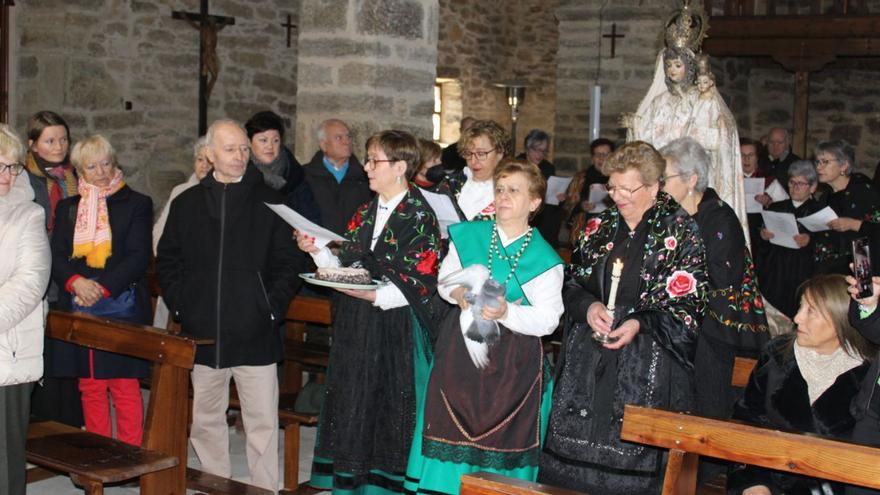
{"points": [[209, 65], [613, 37], [289, 25]]}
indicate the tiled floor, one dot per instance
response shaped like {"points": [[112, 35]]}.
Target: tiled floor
{"points": [[61, 485]]}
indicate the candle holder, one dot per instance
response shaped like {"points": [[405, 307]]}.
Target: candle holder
{"points": [[616, 272], [516, 94]]}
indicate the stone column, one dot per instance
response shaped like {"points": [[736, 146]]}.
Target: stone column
{"points": [[371, 63]]}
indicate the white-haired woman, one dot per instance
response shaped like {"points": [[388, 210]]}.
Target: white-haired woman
{"points": [[24, 276], [735, 323]]}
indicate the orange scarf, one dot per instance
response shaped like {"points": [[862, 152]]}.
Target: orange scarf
{"points": [[91, 236]]}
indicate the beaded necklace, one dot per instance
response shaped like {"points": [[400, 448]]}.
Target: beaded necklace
{"points": [[495, 251]]}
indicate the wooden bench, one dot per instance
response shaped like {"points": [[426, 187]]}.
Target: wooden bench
{"points": [[688, 437], [493, 484], [161, 462], [301, 356]]}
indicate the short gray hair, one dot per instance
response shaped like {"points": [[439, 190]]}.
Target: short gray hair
{"points": [[805, 169], [536, 136], [199, 145], [691, 159], [209, 136], [321, 132], [843, 152], [10, 144], [785, 133]]}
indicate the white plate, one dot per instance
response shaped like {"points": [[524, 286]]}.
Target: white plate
{"points": [[310, 278]]}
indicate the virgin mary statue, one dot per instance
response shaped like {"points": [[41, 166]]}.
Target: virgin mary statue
{"points": [[675, 107]]}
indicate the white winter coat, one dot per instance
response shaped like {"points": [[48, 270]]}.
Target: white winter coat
{"points": [[25, 263]]}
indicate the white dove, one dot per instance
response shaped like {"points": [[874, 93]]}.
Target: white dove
{"points": [[482, 290]]}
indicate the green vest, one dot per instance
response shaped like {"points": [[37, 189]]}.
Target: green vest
{"points": [[472, 241]]}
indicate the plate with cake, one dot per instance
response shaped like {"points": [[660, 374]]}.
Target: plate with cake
{"points": [[342, 278]]}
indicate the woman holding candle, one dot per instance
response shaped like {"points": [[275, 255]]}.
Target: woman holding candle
{"points": [[458, 410], [649, 356], [735, 323]]}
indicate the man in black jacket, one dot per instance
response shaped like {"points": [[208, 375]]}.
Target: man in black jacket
{"points": [[228, 269], [337, 178]]}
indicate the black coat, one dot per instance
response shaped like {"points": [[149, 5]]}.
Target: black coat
{"points": [[337, 201], [866, 407], [131, 221], [228, 267], [776, 397]]}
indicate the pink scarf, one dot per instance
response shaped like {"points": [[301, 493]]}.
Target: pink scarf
{"points": [[91, 235]]}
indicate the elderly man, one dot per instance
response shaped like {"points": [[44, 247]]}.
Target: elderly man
{"points": [[228, 269], [337, 179], [776, 161]]}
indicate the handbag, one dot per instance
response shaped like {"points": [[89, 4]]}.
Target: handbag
{"points": [[121, 307]]}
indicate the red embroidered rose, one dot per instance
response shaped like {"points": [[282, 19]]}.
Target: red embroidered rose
{"points": [[609, 246], [591, 227], [670, 243], [489, 210], [759, 302], [680, 283], [356, 221], [428, 263]]}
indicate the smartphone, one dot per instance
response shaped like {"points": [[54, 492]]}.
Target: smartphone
{"points": [[862, 266]]}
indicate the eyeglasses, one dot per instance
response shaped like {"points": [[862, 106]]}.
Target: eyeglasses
{"points": [[825, 161], [373, 162], [12, 168], [798, 184], [623, 191], [668, 177], [540, 151], [480, 155]]}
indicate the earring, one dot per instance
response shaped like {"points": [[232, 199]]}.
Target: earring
{"points": [[398, 179]]}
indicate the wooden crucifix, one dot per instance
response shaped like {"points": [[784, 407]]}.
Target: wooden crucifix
{"points": [[209, 65], [613, 37], [289, 25]]}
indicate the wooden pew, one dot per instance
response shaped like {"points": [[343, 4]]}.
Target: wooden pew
{"points": [[688, 437], [742, 370], [494, 484], [165, 422]]}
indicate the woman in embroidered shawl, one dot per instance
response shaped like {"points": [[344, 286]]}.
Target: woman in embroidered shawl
{"points": [[100, 252], [483, 145], [379, 361], [735, 324], [487, 404], [653, 331], [806, 381]]}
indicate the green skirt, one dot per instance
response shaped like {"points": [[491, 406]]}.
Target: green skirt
{"points": [[432, 476], [377, 482]]}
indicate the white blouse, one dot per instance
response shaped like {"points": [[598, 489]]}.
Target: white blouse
{"points": [[387, 296], [475, 196], [544, 293]]}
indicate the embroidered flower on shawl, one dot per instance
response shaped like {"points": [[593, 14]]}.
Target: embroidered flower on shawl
{"points": [[357, 220], [680, 283], [591, 227], [670, 243], [609, 246], [428, 263], [489, 210]]}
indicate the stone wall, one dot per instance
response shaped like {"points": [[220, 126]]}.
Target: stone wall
{"points": [[371, 63], [487, 41], [86, 59]]}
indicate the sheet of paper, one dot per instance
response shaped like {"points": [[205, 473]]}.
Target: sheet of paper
{"points": [[556, 185], [776, 191], [444, 209], [322, 236], [784, 228], [818, 222], [751, 188], [599, 198]]}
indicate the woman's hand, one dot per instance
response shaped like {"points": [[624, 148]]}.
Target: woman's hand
{"points": [[458, 294], [587, 206], [366, 295], [306, 243], [844, 224], [764, 199], [599, 319], [869, 302], [757, 490], [87, 292], [495, 313], [802, 239], [767, 235], [561, 197], [624, 334]]}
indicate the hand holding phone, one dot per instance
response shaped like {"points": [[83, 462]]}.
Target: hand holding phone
{"points": [[862, 267]]}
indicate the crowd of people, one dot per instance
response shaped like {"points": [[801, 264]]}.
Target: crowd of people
{"points": [[663, 290]]}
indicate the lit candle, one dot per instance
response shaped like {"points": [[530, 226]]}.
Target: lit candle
{"points": [[616, 271]]}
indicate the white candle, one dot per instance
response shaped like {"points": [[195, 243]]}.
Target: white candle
{"points": [[595, 112], [616, 271]]}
